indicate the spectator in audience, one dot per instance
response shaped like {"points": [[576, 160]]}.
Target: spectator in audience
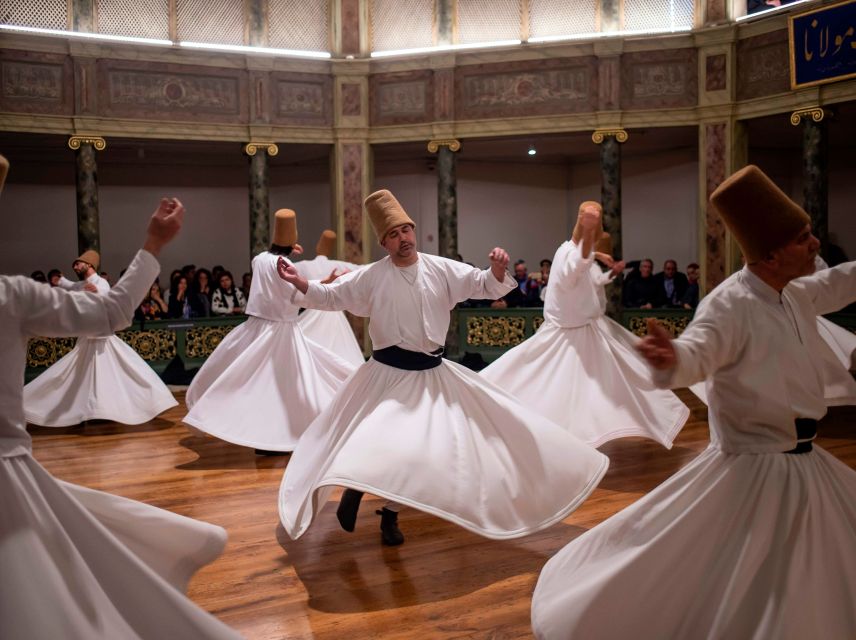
{"points": [[179, 298], [690, 299], [246, 283], [39, 276], [200, 294], [172, 278], [526, 292], [227, 298], [216, 271], [640, 289], [189, 272], [152, 307], [671, 285], [54, 276], [542, 277]]}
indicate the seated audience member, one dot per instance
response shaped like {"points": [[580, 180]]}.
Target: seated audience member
{"points": [[246, 283], [152, 307], [189, 272], [640, 288], [671, 285], [690, 298], [179, 298], [227, 298], [526, 292], [541, 277], [172, 278], [54, 276], [39, 276], [200, 294], [216, 271]]}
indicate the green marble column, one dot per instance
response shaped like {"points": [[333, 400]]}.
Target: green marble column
{"points": [[88, 228], [816, 178], [447, 203], [610, 199], [259, 197]]}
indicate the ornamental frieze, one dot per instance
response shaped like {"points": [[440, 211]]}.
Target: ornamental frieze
{"points": [[659, 79], [538, 87], [303, 98], [402, 98], [762, 65], [36, 83]]}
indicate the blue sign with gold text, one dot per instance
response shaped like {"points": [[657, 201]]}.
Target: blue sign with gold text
{"points": [[823, 45]]}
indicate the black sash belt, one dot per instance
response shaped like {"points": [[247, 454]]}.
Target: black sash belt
{"points": [[806, 431], [408, 360]]}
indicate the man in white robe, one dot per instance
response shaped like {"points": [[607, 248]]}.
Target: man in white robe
{"points": [[755, 537], [101, 378], [330, 329], [75, 563], [420, 430], [590, 379]]}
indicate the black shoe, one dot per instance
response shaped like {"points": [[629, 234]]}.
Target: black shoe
{"points": [[266, 452], [348, 507], [390, 534]]}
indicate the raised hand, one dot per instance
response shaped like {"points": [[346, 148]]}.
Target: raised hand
{"points": [[605, 258], [498, 263], [589, 218], [164, 224], [288, 273], [618, 267], [657, 347], [296, 249]]}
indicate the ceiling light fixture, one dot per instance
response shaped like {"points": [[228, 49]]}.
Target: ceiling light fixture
{"points": [[532, 151]]}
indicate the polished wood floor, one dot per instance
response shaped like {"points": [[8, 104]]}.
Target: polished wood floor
{"points": [[442, 583]]}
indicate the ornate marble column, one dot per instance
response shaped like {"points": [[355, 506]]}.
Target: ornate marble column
{"points": [[610, 141], [447, 196], [259, 196], [815, 170], [88, 228]]}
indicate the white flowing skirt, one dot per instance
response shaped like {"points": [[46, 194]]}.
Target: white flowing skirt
{"points": [[444, 441], [263, 385], [100, 379], [80, 564], [839, 387], [332, 331], [591, 381], [732, 546]]}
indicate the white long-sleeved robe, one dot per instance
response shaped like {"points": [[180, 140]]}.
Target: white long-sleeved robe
{"points": [[265, 382], [330, 329], [746, 541], [441, 440], [101, 378], [581, 368], [77, 563]]}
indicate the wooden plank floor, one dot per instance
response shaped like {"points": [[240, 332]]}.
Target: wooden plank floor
{"points": [[444, 582]]}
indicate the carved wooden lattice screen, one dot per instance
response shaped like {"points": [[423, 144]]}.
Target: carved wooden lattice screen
{"points": [[488, 20], [658, 15], [402, 24], [211, 21], [562, 17], [299, 25], [134, 18], [42, 14]]}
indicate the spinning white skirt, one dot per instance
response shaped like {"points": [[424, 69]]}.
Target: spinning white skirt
{"points": [[443, 441], [732, 546], [100, 379], [80, 564], [332, 331], [591, 381], [263, 385]]}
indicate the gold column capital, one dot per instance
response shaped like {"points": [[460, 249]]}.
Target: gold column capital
{"points": [[434, 145], [815, 113], [600, 134], [252, 147], [98, 142]]}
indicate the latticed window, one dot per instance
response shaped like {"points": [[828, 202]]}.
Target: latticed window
{"points": [[134, 18], [212, 21], [658, 15], [488, 20], [303, 25], [562, 17], [42, 14], [402, 24]]}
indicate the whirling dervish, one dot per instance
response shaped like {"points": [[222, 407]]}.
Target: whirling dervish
{"points": [[80, 564], [265, 382], [590, 379], [101, 378], [330, 329]]}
